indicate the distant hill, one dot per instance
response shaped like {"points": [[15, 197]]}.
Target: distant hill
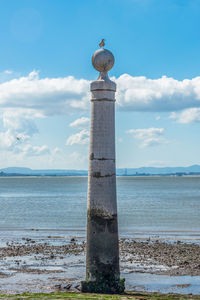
{"points": [[49, 172], [14, 171], [159, 171]]}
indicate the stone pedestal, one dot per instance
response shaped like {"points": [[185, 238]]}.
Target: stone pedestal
{"points": [[102, 265]]}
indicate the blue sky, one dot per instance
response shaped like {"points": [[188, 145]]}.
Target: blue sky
{"points": [[45, 72]]}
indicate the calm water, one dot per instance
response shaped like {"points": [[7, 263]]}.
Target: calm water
{"points": [[147, 206]]}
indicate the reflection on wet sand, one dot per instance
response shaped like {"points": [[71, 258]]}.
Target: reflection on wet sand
{"points": [[58, 263]]}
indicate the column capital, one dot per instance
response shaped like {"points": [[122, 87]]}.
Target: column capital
{"points": [[107, 85]]}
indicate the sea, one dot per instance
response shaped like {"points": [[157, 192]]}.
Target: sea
{"points": [[52, 210], [155, 207]]}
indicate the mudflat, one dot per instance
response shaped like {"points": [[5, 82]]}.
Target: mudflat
{"points": [[38, 266], [176, 258]]}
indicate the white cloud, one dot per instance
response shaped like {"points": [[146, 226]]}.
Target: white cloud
{"points": [[187, 116], [20, 122], [7, 75], [18, 127], [78, 157], [80, 123], [56, 151], [23, 99], [30, 150], [162, 94], [56, 96], [149, 136], [157, 163], [49, 96], [79, 138], [82, 137], [62, 159], [8, 72], [7, 140]]}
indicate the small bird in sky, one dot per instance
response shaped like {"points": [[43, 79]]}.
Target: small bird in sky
{"points": [[18, 138], [102, 43]]}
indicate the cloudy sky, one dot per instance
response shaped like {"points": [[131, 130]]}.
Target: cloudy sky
{"points": [[45, 73]]}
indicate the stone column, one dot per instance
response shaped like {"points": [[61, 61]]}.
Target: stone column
{"points": [[102, 265]]}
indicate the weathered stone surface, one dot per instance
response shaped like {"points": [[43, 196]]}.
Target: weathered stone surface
{"points": [[103, 60], [102, 131], [104, 287], [103, 85], [102, 266]]}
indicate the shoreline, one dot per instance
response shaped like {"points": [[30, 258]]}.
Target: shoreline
{"points": [[122, 176], [148, 256], [52, 265]]}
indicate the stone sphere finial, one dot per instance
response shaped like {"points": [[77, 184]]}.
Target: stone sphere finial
{"points": [[103, 60]]}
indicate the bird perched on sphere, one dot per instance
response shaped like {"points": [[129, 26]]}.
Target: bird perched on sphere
{"points": [[102, 43]]}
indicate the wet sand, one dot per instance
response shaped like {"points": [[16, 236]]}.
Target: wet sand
{"points": [[154, 257], [48, 266], [157, 257]]}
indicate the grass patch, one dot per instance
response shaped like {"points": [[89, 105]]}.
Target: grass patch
{"points": [[69, 296]]}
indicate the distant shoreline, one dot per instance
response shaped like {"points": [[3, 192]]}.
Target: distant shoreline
{"points": [[193, 170], [132, 175]]}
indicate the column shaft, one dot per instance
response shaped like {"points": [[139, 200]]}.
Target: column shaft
{"points": [[102, 266]]}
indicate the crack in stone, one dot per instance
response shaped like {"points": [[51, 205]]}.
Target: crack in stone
{"points": [[103, 158]]}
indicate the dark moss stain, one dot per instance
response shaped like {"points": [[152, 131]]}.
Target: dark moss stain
{"points": [[98, 175], [105, 159], [103, 275], [96, 217], [91, 156], [102, 158], [103, 287], [96, 213], [103, 99]]}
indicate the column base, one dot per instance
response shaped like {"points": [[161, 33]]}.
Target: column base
{"points": [[103, 287]]}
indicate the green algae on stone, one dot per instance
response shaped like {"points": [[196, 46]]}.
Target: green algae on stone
{"points": [[103, 287]]}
